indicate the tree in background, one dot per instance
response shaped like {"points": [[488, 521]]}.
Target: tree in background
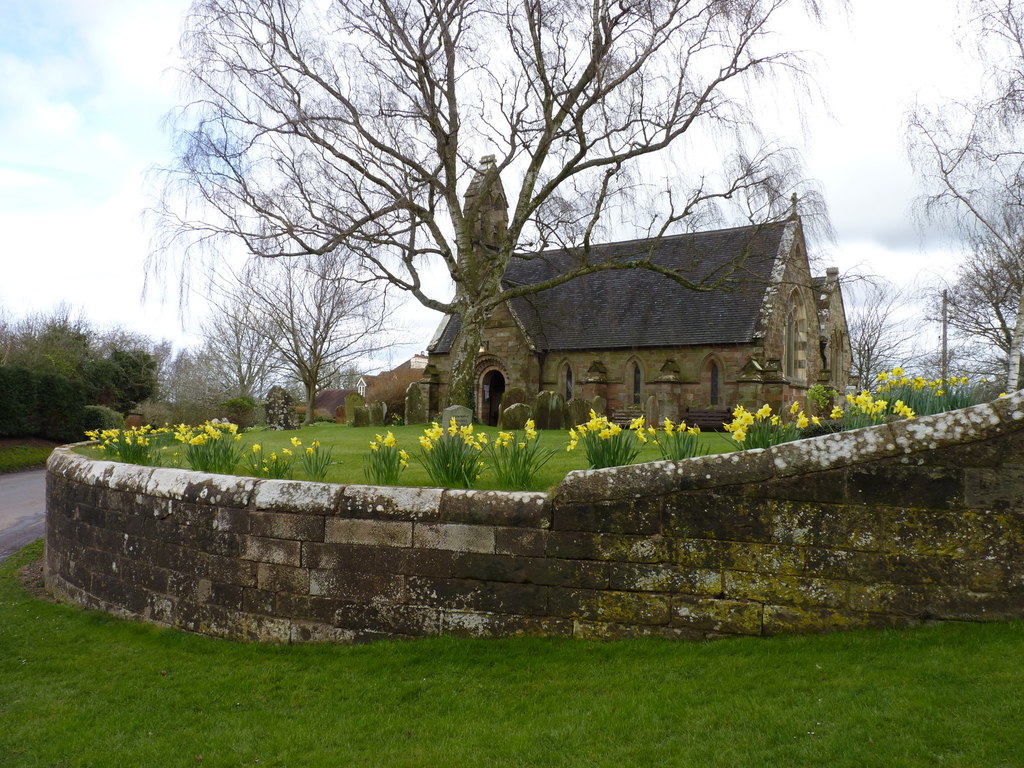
{"points": [[971, 155], [981, 309], [882, 334], [357, 124], [312, 315], [237, 347]]}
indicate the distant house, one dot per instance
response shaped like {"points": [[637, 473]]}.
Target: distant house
{"points": [[769, 332], [328, 400]]}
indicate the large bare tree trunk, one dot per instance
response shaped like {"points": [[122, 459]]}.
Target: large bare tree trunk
{"points": [[462, 380], [1013, 376]]}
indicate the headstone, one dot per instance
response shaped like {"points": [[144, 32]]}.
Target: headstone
{"points": [[280, 409], [515, 416], [415, 408], [599, 406], [360, 416], [352, 401], [378, 411], [133, 421], [578, 411], [510, 397], [339, 414], [652, 410], [547, 413], [462, 415]]}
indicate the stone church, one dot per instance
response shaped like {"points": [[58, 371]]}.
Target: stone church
{"points": [[765, 334]]}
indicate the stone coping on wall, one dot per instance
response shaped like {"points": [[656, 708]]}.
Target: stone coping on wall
{"points": [[880, 526]]}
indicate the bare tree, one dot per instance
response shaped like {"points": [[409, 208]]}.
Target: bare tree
{"points": [[359, 126], [882, 335], [312, 315], [236, 345], [970, 154]]}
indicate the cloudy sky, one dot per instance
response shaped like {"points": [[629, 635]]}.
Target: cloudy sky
{"points": [[85, 85]]}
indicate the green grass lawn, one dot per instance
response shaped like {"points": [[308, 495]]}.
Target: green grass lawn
{"points": [[350, 444], [81, 688], [16, 458]]}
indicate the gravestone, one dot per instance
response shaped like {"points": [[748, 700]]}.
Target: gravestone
{"points": [[352, 401], [515, 416], [462, 415], [415, 408], [652, 410], [339, 415], [510, 397], [599, 405], [578, 410], [280, 409], [547, 413], [360, 416], [378, 411]]}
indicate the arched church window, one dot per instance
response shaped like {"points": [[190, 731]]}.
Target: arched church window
{"points": [[637, 383], [790, 353], [568, 382], [715, 383]]}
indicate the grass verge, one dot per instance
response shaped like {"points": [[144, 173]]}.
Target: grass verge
{"points": [[15, 458], [81, 688]]}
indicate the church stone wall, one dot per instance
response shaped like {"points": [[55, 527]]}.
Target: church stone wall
{"points": [[887, 526]]}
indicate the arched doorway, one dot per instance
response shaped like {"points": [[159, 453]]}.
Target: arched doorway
{"points": [[493, 387]]}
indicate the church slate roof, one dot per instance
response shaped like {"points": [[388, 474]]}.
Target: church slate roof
{"points": [[630, 308]]}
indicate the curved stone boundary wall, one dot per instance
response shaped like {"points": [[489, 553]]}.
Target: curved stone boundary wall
{"points": [[884, 526]]}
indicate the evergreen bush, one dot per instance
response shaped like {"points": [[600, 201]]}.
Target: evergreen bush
{"points": [[100, 417]]}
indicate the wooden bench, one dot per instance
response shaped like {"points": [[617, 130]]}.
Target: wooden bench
{"points": [[708, 419]]}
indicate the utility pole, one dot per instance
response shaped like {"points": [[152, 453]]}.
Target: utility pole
{"points": [[944, 364]]}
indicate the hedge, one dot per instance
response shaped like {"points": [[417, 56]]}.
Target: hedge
{"points": [[40, 405]]}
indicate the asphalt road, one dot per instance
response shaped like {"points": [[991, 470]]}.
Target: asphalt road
{"points": [[22, 509]]}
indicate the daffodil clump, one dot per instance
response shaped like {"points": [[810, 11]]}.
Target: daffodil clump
{"points": [[678, 441], [763, 429], [451, 456], [143, 445], [864, 410], [315, 460], [385, 461], [516, 457], [273, 465], [927, 396], [606, 444], [210, 447]]}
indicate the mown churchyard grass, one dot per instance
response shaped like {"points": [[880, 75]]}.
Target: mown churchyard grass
{"points": [[81, 688], [350, 444]]}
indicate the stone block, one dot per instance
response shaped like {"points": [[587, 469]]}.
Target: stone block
{"points": [[891, 599], [354, 557], [526, 542], [788, 619], [710, 614], [913, 485], [392, 620], [294, 496], [609, 606], [282, 578], [284, 525], [383, 533], [765, 558], [999, 488], [474, 595], [276, 551], [454, 536], [383, 503], [581, 545], [845, 564], [849, 526], [717, 516], [490, 625], [356, 586], [642, 516], [506, 508], [664, 578], [601, 631], [783, 589]]}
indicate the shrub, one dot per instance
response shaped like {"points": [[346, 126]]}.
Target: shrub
{"points": [[40, 405], [240, 411], [18, 415], [99, 417]]}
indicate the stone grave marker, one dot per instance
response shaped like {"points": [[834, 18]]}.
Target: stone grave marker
{"points": [[515, 416], [415, 410], [462, 415], [280, 409]]}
